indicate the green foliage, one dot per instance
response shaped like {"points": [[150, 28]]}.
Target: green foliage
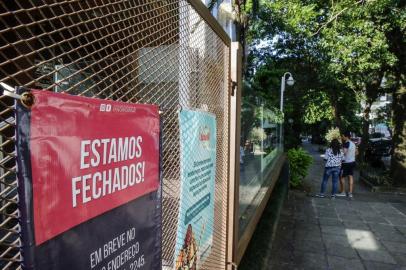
{"points": [[256, 110], [271, 115], [333, 133], [299, 161], [318, 107], [356, 45], [338, 52]]}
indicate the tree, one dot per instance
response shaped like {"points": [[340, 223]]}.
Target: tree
{"points": [[397, 43], [282, 41], [376, 34], [349, 46], [359, 52]]}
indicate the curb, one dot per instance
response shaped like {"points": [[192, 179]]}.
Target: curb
{"points": [[383, 189]]}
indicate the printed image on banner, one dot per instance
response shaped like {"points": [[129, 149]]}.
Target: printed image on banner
{"points": [[89, 183], [196, 212]]}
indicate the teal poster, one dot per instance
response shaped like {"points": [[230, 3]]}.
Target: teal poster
{"points": [[198, 166]]}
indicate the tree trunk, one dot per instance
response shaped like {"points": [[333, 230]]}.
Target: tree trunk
{"points": [[336, 111], [365, 130], [337, 118], [372, 92], [398, 163]]}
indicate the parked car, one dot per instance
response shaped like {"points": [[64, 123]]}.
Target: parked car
{"points": [[376, 135]]}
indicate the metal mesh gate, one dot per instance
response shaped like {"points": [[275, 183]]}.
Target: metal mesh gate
{"points": [[146, 51]]}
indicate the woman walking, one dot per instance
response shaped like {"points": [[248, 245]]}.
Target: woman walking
{"points": [[333, 158]]}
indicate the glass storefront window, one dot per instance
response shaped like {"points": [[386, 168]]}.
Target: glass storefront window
{"points": [[258, 150]]}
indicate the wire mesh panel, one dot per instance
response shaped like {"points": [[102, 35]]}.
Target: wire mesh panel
{"points": [[144, 51]]}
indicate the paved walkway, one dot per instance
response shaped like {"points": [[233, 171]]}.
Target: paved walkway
{"points": [[368, 232]]}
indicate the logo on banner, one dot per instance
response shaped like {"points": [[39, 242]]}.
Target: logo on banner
{"points": [[204, 137], [105, 107]]}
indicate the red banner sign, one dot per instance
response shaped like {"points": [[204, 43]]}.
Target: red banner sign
{"points": [[88, 156]]}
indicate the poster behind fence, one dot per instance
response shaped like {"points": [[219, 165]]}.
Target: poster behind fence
{"points": [[89, 183], [198, 165]]}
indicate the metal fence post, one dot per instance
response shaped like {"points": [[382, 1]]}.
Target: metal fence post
{"points": [[234, 164]]}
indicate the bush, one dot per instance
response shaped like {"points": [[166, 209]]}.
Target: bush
{"points": [[299, 161], [333, 133]]}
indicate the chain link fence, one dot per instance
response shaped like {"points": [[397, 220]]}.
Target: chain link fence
{"points": [[141, 51]]}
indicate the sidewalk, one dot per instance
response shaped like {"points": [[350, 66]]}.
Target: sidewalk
{"points": [[368, 232]]}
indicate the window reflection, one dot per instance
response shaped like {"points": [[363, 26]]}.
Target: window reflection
{"points": [[258, 151]]}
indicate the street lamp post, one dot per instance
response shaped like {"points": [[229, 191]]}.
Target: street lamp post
{"points": [[290, 81]]}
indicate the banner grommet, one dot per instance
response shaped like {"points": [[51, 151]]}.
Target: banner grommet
{"points": [[27, 100]]}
